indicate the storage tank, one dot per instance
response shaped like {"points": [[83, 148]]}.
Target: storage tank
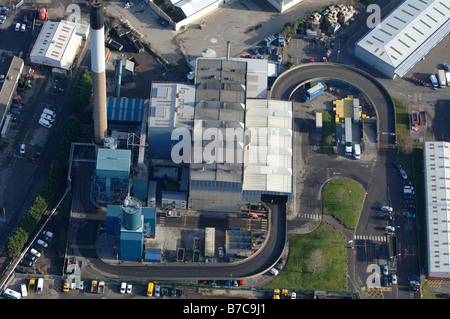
{"points": [[132, 214]]}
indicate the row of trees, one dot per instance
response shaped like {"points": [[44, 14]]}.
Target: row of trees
{"points": [[51, 190]]}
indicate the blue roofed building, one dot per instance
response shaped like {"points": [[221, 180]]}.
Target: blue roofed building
{"points": [[112, 175]]}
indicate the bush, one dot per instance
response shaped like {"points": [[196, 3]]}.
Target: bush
{"points": [[82, 95]]}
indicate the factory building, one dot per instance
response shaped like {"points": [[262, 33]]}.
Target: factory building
{"points": [[11, 68], [132, 222], [437, 195], [215, 175], [404, 37], [112, 175], [171, 107], [57, 45], [268, 157]]}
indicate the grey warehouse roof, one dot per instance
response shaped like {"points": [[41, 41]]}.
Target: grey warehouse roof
{"points": [[405, 30]]}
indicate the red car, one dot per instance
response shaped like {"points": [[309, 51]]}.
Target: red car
{"points": [[241, 283], [311, 60]]}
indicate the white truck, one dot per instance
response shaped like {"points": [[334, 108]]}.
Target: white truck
{"points": [[441, 78], [40, 285], [348, 136], [357, 151]]}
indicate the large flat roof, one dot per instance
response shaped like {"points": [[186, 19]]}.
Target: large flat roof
{"points": [[405, 29], [268, 159], [437, 196]]}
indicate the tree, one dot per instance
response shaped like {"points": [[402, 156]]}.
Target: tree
{"points": [[16, 242], [316, 262]]}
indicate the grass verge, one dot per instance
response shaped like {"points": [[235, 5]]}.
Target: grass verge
{"points": [[316, 261], [343, 199]]}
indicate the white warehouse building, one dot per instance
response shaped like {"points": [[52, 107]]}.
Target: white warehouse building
{"points": [[56, 46], [437, 196], [405, 36]]}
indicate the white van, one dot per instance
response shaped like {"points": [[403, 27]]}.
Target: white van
{"points": [[23, 290], [44, 123], [11, 294], [40, 285], [49, 112], [357, 152], [123, 287], [434, 80]]}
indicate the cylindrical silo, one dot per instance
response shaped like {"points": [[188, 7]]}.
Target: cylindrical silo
{"points": [[132, 214]]}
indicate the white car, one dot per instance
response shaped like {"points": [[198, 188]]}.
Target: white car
{"points": [[123, 287], [42, 243], [403, 173], [394, 279], [47, 117], [157, 294], [45, 123], [129, 288], [386, 209], [22, 149], [47, 233], [408, 189], [17, 28], [390, 228], [293, 295], [34, 252], [385, 269], [23, 27]]}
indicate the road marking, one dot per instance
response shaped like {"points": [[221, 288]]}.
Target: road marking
{"points": [[371, 238]]}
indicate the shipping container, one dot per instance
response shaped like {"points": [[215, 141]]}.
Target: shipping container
{"points": [[314, 91]]}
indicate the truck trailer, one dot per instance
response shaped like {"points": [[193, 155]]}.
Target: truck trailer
{"points": [[441, 78], [348, 136], [314, 91]]}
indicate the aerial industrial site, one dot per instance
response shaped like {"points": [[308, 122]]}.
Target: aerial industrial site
{"points": [[209, 149]]}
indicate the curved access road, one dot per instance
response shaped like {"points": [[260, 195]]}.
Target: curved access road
{"points": [[289, 81], [260, 262]]}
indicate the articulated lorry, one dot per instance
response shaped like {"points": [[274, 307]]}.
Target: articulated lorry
{"points": [[348, 136]]}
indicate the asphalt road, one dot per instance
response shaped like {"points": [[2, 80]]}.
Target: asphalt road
{"points": [[259, 263], [289, 81]]}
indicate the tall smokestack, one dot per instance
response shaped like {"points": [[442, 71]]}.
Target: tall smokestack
{"points": [[98, 71]]}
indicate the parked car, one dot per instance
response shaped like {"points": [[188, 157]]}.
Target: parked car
{"points": [[394, 279], [386, 209], [385, 269], [446, 66], [408, 189], [42, 243], [23, 27], [403, 173], [398, 165], [17, 28], [48, 233], [389, 217], [129, 288], [220, 251], [22, 149]]}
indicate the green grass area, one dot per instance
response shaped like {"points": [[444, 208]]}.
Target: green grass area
{"points": [[316, 261], [328, 131], [343, 199]]}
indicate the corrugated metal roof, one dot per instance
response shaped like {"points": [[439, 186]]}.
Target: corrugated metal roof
{"points": [[125, 110], [405, 29], [56, 45], [437, 196], [268, 159]]}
